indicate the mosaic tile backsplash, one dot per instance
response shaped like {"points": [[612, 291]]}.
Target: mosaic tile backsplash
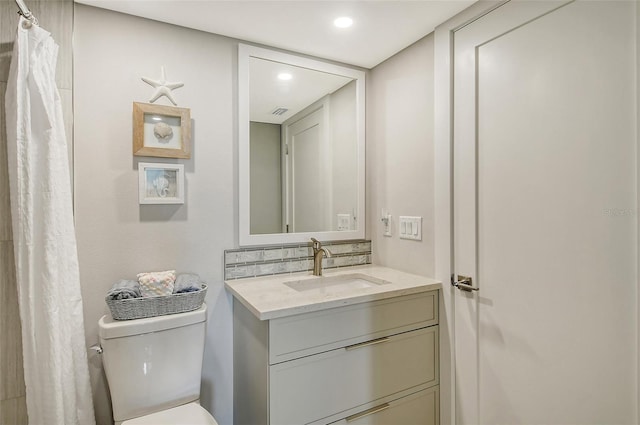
{"points": [[292, 258]]}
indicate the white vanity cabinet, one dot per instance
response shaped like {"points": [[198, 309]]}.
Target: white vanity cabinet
{"points": [[368, 363]]}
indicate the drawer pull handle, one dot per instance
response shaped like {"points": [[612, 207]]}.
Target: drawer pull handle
{"points": [[371, 411], [365, 344]]}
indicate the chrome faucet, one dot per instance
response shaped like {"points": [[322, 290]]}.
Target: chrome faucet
{"points": [[318, 252]]}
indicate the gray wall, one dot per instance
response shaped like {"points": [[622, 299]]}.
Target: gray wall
{"points": [[117, 237], [57, 18], [266, 178], [400, 152]]}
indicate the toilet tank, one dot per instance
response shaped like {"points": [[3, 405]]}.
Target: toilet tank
{"points": [[152, 364]]}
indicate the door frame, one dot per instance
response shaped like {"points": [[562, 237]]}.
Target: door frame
{"points": [[443, 232]]}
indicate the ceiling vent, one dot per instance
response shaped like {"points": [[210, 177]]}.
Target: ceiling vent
{"points": [[280, 111]]}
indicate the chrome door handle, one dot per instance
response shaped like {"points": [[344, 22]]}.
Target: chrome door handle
{"points": [[464, 283]]}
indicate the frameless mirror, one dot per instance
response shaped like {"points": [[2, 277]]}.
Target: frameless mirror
{"points": [[301, 148]]}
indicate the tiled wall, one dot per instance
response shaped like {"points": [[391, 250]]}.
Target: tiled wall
{"points": [[56, 16], [280, 259]]}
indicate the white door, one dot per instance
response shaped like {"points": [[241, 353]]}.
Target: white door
{"points": [[308, 179], [545, 214]]}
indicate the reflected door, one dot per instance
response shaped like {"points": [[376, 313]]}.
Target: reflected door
{"points": [[308, 180], [545, 217]]}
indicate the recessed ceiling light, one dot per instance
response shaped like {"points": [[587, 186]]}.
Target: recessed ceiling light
{"points": [[343, 22], [284, 76]]}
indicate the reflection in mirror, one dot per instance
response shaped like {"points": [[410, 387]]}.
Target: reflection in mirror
{"points": [[305, 149], [302, 149]]}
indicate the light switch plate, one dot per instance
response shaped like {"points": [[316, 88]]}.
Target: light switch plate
{"points": [[344, 221], [410, 228], [387, 225], [386, 222]]}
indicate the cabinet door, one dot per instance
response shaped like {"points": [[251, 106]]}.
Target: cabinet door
{"points": [[337, 382], [420, 408]]}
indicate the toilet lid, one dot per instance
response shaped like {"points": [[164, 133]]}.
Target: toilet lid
{"points": [[187, 414]]}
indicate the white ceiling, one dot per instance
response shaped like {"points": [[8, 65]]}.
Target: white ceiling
{"points": [[381, 27], [268, 93]]}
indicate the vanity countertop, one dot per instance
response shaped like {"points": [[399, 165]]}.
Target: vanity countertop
{"points": [[269, 297]]}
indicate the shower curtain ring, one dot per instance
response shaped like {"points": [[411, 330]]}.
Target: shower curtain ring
{"points": [[29, 21]]}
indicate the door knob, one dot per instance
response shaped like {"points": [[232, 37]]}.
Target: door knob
{"points": [[464, 283]]}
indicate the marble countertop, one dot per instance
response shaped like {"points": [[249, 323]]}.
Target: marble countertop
{"points": [[270, 297]]}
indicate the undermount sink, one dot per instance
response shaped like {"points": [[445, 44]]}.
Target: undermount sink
{"points": [[338, 283]]}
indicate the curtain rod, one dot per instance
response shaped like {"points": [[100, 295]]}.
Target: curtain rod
{"points": [[24, 11]]}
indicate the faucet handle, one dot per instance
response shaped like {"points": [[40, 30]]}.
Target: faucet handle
{"points": [[316, 243]]}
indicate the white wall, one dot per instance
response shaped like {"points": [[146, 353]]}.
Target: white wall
{"points": [[400, 155], [117, 237]]}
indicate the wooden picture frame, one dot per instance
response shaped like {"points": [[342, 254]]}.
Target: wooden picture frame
{"points": [[160, 183], [161, 131]]}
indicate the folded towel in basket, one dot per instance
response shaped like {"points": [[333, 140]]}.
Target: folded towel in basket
{"points": [[187, 282], [124, 289], [157, 284]]}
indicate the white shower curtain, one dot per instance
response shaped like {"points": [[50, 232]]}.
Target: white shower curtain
{"points": [[55, 360]]}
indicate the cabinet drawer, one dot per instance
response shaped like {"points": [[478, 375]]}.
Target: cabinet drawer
{"points": [[419, 408], [306, 334], [316, 387]]}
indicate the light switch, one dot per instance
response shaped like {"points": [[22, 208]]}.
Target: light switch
{"points": [[386, 223], [410, 228], [387, 226]]}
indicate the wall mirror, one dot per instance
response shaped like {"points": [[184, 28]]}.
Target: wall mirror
{"points": [[301, 148]]}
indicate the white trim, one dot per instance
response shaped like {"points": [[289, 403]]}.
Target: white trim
{"points": [[247, 239], [244, 179], [443, 137]]}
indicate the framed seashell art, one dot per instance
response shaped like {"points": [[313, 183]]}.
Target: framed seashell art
{"points": [[161, 131], [160, 183]]}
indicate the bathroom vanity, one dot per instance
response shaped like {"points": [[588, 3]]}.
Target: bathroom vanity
{"points": [[357, 346]]}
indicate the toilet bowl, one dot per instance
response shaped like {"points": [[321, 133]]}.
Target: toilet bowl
{"points": [[154, 367]]}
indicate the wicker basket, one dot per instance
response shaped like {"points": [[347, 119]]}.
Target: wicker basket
{"points": [[139, 308]]}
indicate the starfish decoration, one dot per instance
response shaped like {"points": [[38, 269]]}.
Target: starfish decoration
{"points": [[163, 88]]}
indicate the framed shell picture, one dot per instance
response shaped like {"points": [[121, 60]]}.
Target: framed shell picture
{"points": [[160, 183], [161, 131]]}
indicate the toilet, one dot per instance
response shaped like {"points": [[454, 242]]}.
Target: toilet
{"points": [[153, 367]]}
